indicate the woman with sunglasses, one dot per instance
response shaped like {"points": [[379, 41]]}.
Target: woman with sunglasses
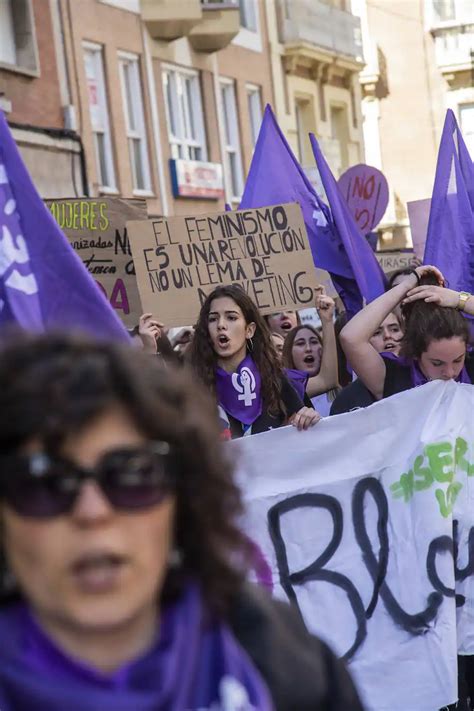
{"points": [[234, 357], [123, 571]]}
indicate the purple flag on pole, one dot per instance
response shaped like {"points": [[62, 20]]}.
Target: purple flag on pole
{"points": [[450, 237], [275, 176], [366, 270], [43, 283]]}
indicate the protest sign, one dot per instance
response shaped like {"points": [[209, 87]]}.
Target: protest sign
{"points": [[179, 260], [419, 215], [391, 260], [365, 190], [365, 523], [96, 230]]}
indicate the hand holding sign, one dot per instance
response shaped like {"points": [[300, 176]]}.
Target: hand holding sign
{"points": [[149, 330]]}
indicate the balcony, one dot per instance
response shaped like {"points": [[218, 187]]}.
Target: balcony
{"points": [[454, 47], [316, 25], [219, 25], [169, 19]]}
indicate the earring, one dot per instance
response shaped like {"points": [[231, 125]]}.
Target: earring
{"points": [[250, 345], [175, 559]]}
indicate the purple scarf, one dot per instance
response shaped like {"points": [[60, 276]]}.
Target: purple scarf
{"points": [[417, 377], [299, 380], [191, 666], [240, 393]]}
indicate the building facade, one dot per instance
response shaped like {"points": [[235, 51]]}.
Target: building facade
{"points": [[316, 53], [419, 62], [164, 97], [30, 95]]}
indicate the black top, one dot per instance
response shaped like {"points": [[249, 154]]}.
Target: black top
{"points": [[301, 672], [398, 375], [352, 397], [265, 421]]}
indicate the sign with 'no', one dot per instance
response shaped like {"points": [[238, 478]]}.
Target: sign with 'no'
{"points": [[365, 190]]}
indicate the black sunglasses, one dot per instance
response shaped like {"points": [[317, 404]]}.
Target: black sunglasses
{"points": [[41, 486]]}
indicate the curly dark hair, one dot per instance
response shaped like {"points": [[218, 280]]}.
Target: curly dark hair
{"points": [[204, 359], [287, 357], [426, 322], [52, 386]]}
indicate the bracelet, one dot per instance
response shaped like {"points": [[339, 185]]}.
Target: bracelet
{"points": [[418, 278], [463, 297]]}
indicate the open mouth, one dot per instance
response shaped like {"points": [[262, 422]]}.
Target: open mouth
{"points": [[223, 340], [286, 325], [98, 572], [389, 346], [309, 359]]}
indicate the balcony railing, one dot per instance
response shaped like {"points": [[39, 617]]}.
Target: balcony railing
{"points": [[318, 23], [454, 47], [219, 25]]}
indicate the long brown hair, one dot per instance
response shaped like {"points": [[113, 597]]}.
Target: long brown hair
{"points": [[287, 357], [204, 359]]}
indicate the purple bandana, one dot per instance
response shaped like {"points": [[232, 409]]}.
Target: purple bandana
{"points": [[299, 380], [193, 665], [239, 393], [417, 377]]}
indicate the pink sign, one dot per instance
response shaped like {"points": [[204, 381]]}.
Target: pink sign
{"points": [[366, 192]]}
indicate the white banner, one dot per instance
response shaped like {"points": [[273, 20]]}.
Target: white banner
{"points": [[355, 521]]}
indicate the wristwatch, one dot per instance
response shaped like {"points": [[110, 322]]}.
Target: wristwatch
{"points": [[463, 297]]}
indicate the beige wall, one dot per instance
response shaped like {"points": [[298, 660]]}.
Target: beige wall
{"points": [[404, 106]]}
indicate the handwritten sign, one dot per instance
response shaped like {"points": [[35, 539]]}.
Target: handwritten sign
{"points": [[96, 230], [392, 260], [419, 215], [179, 260], [366, 192], [373, 544]]}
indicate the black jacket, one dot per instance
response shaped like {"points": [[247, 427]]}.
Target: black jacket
{"points": [[300, 671]]}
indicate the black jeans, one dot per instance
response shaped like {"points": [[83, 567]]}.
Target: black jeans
{"points": [[465, 684]]}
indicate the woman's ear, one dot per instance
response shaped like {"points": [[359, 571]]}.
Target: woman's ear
{"points": [[250, 330]]}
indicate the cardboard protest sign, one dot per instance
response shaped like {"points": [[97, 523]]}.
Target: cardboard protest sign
{"points": [[96, 229], [392, 260], [365, 523], [179, 260], [365, 190], [419, 215]]}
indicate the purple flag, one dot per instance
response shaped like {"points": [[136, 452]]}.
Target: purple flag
{"points": [[366, 270], [43, 283], [450, 237], [276, 177]]}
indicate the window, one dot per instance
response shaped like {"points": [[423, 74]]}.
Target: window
{"points": [[466, 124], [17, 36], [7, 34], [184, 114], [255, 110], [248, 14], [94, 66], [233, 158], [135, 121], [444, 10]]}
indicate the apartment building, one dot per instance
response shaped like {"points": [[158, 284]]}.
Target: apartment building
{"points": [[31, 97], [316, 52], [419, 62], [162, 99]]}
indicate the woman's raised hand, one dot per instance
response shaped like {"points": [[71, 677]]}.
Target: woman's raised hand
{"points": [[433, 294], [305, 418], [430, 269], [325, 306], [149, 330]]}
